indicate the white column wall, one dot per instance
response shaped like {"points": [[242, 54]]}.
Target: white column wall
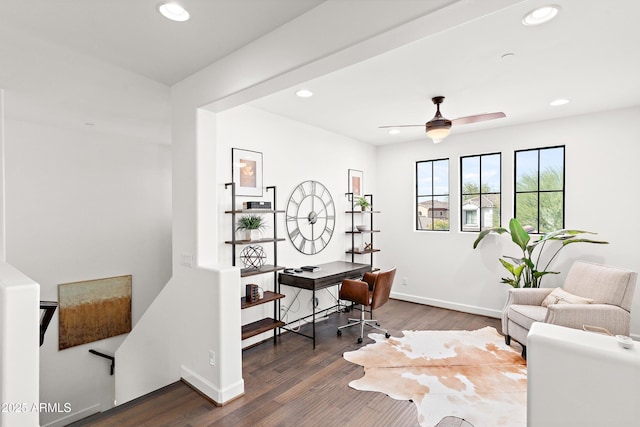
{"points": [[443, 269], [19, 355]]}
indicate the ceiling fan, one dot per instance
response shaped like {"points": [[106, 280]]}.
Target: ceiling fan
{"points": [[438, 127]]}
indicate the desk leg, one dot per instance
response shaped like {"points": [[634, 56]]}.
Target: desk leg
{"points": [[313, 304]]}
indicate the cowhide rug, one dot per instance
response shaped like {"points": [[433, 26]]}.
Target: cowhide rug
{"points": [[468, 374]]}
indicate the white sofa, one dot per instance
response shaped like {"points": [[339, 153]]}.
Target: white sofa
{"points": [[578, 378]]}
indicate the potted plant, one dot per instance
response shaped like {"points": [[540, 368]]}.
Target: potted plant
{"points": [[249, 224], [525, 271], [363, 203]]}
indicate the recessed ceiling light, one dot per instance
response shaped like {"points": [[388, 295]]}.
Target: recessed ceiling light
{"points": [[559, 101], [304, 93], [541, 15], [394, 131], [173, 11]]}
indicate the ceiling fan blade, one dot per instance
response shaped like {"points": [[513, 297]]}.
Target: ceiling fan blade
{"points": [[477, 118], [399, 126]]}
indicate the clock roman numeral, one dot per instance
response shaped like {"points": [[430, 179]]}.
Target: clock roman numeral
{"points": [[294, 233]]}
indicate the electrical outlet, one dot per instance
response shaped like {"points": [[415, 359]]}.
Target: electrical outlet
{"points": [[186, 260], [212, 358], [405, 281]]}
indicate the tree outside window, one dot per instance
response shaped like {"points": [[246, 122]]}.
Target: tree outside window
{"points": [[539, 189], [432, 195], [480, 182]]}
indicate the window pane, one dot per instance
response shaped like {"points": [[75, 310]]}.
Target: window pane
{"points": [[441, 177], [440, 213], [551, 212], [471, 212], [424, 222], [551, 169], [527, 210], [527, 170], [470, 174], [424, 181], [490, 211], [491, 173]]}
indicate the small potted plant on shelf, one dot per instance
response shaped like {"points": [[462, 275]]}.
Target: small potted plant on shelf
{"points": [[363, 203], [250, 224]]}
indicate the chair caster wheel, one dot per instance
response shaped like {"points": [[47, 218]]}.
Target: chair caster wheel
{"points": [[339, 333], [359, 340], [387, 335]]}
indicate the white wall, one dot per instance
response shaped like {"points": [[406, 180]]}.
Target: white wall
{"points": [[443, 269], [84, 205], [19, 340], [292, 152]]}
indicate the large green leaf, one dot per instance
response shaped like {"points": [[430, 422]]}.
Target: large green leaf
{"points": [[598, 242], [483, 233], [518, 234]]}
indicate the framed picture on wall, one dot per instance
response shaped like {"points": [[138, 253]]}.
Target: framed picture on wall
{"points": [[356, 183], [246, 168]]}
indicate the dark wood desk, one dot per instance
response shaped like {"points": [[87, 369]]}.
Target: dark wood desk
{"points": [[330, 274]]}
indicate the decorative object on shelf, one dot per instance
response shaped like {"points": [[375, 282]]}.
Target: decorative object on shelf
{"points": [[355, 182], [363, 203], [311, 217], [253, 256], [367, 246], [252, 293], [250, 224], [524, 271], [247, 172], [361, 227], [260, 204]]}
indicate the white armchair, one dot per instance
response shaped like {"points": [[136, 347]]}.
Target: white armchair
{"points": [[604, 295]]}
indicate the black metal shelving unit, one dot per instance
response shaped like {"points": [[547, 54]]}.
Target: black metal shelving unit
{"points": [[268, 323]]}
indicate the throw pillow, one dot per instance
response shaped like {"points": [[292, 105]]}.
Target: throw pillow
{"points": [[560, 296]]}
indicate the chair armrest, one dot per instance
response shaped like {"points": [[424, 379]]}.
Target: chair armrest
{"points": [[355, 290], [613, 318], [528, 296]]}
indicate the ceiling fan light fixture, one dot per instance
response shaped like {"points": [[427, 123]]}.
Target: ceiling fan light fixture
{"points": [[540, 15], [438, 128]]}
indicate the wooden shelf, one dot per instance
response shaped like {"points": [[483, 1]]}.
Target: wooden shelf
{"points": [[249, 242], [267, 268], [363, 252], [264, 325], [364, 212], [362, 232], [268, 297]]}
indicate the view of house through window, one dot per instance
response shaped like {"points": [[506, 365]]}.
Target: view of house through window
{"points": [[432, 195], [480, 192], [539, 189]]}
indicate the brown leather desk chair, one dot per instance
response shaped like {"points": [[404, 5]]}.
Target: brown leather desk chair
{"points": [[372, 291]]}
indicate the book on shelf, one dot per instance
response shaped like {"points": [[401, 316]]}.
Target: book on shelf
{"points": [[256, 205], [310, 268]]}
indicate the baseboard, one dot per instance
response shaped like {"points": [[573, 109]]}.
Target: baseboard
{"points": [[208, 390], [76, 416], [472, 309]]}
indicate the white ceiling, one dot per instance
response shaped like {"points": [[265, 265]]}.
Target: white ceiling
{"points": [[134, 36], [588, 54]]}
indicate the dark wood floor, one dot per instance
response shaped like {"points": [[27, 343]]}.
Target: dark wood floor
{"points": [[290, 384]]}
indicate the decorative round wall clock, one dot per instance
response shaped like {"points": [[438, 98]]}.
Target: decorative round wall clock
{"points": [[311, 217]]}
